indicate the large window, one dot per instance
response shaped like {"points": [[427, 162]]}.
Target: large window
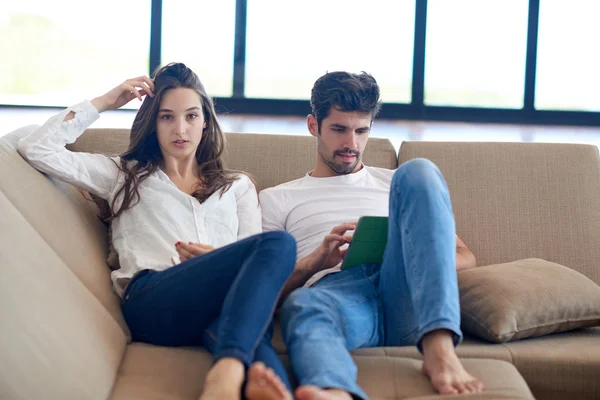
{"points": [[290, 44], [59, 52], [475, 53], [200, 33], [568, 63]]}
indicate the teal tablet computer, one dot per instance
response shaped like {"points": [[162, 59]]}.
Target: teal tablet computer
{"points": [[368, 242]]}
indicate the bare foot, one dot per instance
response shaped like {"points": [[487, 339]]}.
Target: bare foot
{"points": [[444, 369], [263, 384], [309, 392], [224, 380]]}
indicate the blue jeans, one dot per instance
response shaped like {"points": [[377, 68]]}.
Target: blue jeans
{"points": [[223, 300], [412, 292]]}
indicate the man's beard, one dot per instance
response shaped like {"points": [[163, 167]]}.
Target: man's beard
{"points": [[341, 169]]}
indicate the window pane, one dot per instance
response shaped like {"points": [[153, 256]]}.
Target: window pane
{"points": [[58, 52], [291, 44], [568, 60], [475, 53], [200, 33]]}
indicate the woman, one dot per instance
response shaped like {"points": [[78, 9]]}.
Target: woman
{"points": [[195, 269]]}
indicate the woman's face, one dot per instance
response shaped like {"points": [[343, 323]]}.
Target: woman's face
{"points": [[180, 123]]}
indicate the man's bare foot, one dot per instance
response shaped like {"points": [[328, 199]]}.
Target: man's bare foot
{"points": [[263, 384], [442, 366], [224, 380], [310, 392]]}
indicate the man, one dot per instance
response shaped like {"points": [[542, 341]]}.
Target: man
{"points": [[411, 298]]}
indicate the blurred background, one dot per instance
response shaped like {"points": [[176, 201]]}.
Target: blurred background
{"points": [[494, 70]]}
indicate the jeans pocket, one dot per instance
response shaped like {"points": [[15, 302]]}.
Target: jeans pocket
{"points": [[130, 289]]}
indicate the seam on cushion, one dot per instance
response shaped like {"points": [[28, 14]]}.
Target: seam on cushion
{"points": [[512, 356]]}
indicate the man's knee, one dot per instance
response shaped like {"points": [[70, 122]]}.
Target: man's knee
{"points": [[303, 311], [418, 174]]}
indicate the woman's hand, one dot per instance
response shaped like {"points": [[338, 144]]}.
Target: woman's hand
{"points": [[124, 93], [187, 250]]}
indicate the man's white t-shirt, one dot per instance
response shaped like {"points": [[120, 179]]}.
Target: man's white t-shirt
{"points": [[309, 208]]}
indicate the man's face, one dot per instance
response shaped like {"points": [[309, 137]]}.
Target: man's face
{"points": [[342, 139]]}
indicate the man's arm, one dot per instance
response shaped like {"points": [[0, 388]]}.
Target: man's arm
{"points": [[327, 255], [465, 259]]}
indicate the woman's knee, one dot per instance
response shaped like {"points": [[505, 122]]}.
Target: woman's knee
{"points": [[280, 241]]}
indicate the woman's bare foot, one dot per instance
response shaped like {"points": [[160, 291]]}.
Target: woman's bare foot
{"points": [[309, 392], [224, 380], [263, 384], [444, 369]]}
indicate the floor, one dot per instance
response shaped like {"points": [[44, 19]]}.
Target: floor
{"points": [[396, 130]]}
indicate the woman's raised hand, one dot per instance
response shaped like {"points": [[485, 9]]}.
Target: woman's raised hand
{"points": [[124, 93]]}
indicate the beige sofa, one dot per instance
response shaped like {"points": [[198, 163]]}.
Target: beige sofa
{"points": [[62, 334]]}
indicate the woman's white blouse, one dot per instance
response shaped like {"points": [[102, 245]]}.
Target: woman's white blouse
{"points": [[145, 235]]}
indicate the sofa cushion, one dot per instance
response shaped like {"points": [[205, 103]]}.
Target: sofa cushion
{"points": [[401, 378], [560, 366], [526, 298], [519, 200], [151, 372], [57, 341], [469, 348], [156, 373], [63, 217]]}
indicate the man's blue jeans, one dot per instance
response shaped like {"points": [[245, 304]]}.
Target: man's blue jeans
{"points": [[413, 292], [223, 300]]}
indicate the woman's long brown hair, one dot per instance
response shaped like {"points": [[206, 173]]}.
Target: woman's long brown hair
{"points": [[143, 157]]}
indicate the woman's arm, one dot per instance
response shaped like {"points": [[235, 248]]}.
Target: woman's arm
{"points": [[45, 147]]}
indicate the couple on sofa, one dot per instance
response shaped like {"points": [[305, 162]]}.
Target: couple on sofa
{"points": [[205, 263]]}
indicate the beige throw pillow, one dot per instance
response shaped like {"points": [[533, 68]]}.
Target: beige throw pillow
{"points": [[526, 298]]}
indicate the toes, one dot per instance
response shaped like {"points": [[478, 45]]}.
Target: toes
{"points": [[461, 387], [447, 388], [477, 386], [257, 367], [276, 382], [257, 373], [270, 374]]}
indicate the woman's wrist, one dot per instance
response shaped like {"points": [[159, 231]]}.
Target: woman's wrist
{"points": [[99, 104]]}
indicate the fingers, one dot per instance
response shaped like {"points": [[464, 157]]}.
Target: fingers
{"points": [[341, 229], [131, 89], [184, 254], [145, 84], [149, 82], [332, 237], [200, 248], [190, 250], [343, 253]]}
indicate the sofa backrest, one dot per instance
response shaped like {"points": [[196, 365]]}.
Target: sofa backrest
{"points": [[520, 200], [271, 159], [62, 334]]}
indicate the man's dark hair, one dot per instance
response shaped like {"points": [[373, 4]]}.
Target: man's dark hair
{"points": [[346, 92]]}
